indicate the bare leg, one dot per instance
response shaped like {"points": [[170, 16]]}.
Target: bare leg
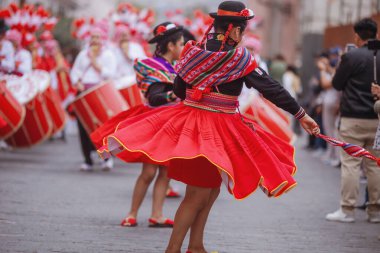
{"points": [[196, 199], [142, 184], [198, 227], [159, 193]]}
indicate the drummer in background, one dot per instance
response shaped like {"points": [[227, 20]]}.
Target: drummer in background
{"points": [[126, 51], [93, 65], [23, 58], [7, 62], [55, 63]]}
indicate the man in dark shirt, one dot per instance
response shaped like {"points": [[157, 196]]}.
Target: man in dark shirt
{"points": [[358, 123]]}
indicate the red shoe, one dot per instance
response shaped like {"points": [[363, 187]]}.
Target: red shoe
{"points": [[170, 193], [129, 222], [153, 223]]}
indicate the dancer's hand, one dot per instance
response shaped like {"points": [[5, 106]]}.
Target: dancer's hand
{"points": [[310, 125]]}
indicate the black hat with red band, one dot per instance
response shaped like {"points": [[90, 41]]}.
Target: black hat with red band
{"points": [[233, 10], [163, 30]]}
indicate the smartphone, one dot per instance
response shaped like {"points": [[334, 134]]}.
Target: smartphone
{"points": [[349, 47]]}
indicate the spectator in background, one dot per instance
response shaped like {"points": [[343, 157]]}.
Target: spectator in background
{"points": [[330, 103], [292, 83], [358, 123], [278, 68], [314, 108]]}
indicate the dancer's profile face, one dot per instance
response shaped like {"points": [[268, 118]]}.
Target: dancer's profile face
{"points": [[176, 48]]}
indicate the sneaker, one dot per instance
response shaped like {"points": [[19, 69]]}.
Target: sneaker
{"points": [[340, 216], [107, 165], [4, 145], [374, 218], [96, 158], [86, 167]]}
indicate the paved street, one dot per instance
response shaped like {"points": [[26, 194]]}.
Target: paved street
{"points": [[47, 205]]}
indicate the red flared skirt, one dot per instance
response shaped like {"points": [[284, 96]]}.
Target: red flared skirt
{"points": [[110, 126], [204, 148]]}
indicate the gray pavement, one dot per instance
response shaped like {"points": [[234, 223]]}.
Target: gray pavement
{"points": [[47, 205]]}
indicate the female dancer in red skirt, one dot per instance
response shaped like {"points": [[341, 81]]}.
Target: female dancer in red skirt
{"points": [[155, 78], [203, 140]]}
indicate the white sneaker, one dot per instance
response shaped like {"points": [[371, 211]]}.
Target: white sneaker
{"points": [[374, 218], [340, 216], [86, 167], [96, 158], [107, 165]]}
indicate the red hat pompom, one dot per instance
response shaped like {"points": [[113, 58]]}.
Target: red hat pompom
{"points": [[160, 29], [245, 13], [197, 95]]}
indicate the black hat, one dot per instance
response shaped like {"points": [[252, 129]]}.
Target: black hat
{"points": [[3, 26], [164, 29], [233, 10]]}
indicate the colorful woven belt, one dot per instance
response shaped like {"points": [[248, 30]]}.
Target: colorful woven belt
{"points": [[215, 102]]}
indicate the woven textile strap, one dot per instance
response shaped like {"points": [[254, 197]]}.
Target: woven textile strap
{"points": [[204, 69], [351, 149], [213, 101], [149, 71]]}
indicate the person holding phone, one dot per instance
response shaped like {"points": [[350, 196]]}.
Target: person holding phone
{"points": [[358, 123]]}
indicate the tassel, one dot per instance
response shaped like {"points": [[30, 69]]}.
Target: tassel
{"points": [[197, 95], [350, 149]]}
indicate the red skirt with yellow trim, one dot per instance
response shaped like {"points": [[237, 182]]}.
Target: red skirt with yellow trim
{"points": [[203, 147], [110, 126]]}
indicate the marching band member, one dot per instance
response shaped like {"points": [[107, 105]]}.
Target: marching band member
{"points": [[155, 78], [54, 62], [23, 58], [92, 66], [126, 51], [203, 141], [7, 62]]}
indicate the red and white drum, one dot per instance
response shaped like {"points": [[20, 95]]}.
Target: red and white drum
{"points": [[95, 106], [64, 84], [12, 113], [268, 116], [37, 125], [128, 88], [3, 123], [51, 99]]}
